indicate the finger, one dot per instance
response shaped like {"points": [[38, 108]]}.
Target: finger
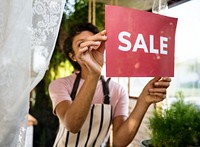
{"points": [[158, 90], [103, 33], [81, 51], [90, 44], [97, 38], [167, 79], [155, 79], [162, 84], [101, 36], [159, 95]]}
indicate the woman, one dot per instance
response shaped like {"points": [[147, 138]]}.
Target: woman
{"points": [[87, 105]]}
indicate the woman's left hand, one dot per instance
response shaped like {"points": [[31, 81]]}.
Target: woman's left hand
{"points": [[155, 90]]}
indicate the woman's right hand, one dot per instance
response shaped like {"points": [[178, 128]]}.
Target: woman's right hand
{"points": [[85, 57], [91, 52]]}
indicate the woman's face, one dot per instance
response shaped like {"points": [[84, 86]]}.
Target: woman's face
{"points": [[78, 39]]}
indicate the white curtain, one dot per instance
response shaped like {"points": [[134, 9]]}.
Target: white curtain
{"points": [[28, 33]]}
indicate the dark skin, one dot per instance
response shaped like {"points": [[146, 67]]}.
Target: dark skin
{"points": [[89, 53]]}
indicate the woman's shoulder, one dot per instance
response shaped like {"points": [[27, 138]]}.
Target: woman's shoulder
{"points": [[64, 80]]}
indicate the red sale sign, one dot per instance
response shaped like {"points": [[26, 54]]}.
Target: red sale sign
{"points": [[140, 43]]}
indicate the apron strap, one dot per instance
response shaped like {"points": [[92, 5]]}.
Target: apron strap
{"points": [[106, 90], [104, 84], [75, 86]]}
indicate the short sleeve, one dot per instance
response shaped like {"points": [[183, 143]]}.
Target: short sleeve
{"points": [[119, 100], [59, 90]]}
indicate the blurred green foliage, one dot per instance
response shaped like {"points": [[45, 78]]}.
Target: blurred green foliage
{"points": [[177, 126]]}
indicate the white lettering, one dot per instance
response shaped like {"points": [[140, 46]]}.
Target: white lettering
{"points": [[163, 45], [123, 40], [141, 44], [152, 50], [137, 45]]}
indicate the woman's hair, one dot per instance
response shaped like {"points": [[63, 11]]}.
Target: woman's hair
{"points": [[73, 31]]}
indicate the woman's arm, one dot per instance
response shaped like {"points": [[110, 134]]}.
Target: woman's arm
{"points": [[73, 114], [124, 130]]}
